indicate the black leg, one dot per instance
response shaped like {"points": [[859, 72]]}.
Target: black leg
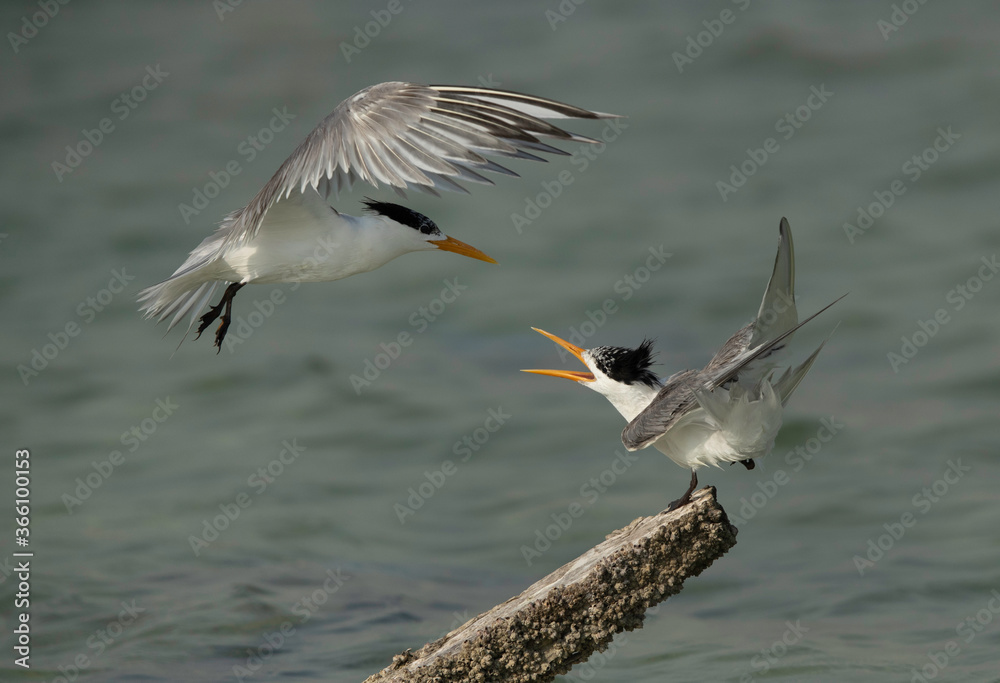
{"points": [[686, 498], [224, 311]]}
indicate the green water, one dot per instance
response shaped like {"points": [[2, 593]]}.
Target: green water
{"points": [[316, 476]]}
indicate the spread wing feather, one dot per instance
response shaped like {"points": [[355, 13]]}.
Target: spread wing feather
{"points": [[416, 137]]}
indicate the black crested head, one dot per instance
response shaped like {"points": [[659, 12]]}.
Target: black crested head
{"points": [[401, 214], [627, 365]]}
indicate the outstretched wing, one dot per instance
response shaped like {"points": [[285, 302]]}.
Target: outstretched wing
{"points": [[413, 136], [777, 313], [724, 373]]}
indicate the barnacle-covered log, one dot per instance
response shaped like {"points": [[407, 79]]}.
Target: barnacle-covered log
{"points": [[577, 609]]}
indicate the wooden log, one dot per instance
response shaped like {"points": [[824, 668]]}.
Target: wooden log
{"points": [[577, 609]]}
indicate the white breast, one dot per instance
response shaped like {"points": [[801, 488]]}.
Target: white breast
{"points": [[729, 425], [307, 241]]}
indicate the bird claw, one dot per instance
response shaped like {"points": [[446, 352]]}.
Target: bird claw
{"points": [[210, 316], [679, 503], [220, 333]]}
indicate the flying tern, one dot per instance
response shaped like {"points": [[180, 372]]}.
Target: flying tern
{"points": [[404, 135], [729, 411]]}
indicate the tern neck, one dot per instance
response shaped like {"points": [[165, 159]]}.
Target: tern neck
{"points": [[628, 399], [383, 240]]}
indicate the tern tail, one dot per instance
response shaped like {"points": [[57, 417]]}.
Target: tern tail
{"points": [[791, 378]]}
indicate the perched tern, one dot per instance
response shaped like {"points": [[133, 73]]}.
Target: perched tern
{"points": [[730, 411], [407, 136]]}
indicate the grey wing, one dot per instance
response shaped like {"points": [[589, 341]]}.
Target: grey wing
{"points": [[723, 374], [674, 400], [413, 136], [777, 309], [777, 312], [732, 349]]}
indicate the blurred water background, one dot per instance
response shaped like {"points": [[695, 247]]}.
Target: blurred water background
{"points": [[864, 564]]}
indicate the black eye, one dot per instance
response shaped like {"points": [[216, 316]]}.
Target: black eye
{"points": [[427, 226]]}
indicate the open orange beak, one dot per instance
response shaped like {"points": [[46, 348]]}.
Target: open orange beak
{"points": [[565, 374], [454, 245]]}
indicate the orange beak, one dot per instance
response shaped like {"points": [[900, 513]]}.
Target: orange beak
{"points": [[565, 374], [453, 245]]}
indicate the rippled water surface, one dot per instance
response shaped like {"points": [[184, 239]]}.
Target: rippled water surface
{"points": [[866, 553]]}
